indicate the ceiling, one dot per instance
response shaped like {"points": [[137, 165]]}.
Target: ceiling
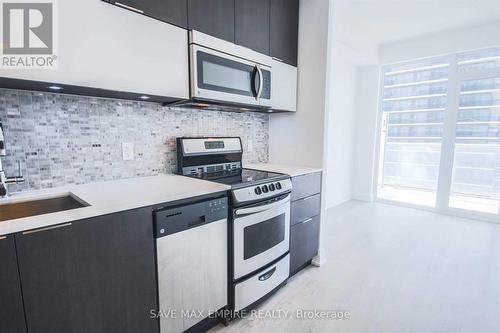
{"points": [[375, 22]]}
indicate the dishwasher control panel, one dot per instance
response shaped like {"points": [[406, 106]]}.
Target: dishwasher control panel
{"points": [[216, 206], [171, 220]]}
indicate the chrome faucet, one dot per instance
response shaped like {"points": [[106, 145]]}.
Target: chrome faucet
{"points": [[4, 180]]}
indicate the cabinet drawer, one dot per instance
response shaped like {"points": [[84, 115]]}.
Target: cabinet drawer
{"points": [[260, 284], [304, 243], [306, 185], [305, 208]]}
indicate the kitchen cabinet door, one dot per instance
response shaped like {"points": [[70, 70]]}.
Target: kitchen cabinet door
{"points": [[170, 11], [11, 302], [213, 17], [252, 24], [306, 185], [95, 275], [304, 243], [115, 53], [284, 30], [304, 209]]}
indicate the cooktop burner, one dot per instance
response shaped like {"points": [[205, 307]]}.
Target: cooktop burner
{"points": [[241, 177]]}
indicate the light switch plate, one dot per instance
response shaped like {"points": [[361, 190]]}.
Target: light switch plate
{"points": [[128, 151]]}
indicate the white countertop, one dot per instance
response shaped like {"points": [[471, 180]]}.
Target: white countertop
{"points": [[110, 197], [291, 170]]}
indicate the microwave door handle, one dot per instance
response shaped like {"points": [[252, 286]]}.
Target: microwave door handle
{"points": [[255, 84], [261, 82]]}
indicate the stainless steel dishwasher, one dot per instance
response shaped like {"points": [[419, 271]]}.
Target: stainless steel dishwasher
{"points": [[191, 244]]}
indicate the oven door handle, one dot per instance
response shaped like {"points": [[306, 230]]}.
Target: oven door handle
{"points": [[257, 209]]}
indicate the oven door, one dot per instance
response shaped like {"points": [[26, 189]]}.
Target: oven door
{"points": [[222, 77], [261, 234]]}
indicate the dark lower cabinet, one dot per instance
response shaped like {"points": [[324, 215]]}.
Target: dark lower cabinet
{"points": [[304, 243], [11, 301], [213, 17], [284, 30], [170, 11], [304, 220], [306, 185], [96, 275], [305, 208], [252, 24]]}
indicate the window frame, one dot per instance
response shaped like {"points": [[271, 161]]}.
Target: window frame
{"points": [[445, 177]]}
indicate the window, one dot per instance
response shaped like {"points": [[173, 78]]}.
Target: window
{"points": [[440, 133], [476, 166], [413, 108]]}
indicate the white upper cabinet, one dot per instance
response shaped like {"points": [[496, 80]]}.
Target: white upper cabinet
{"points": [[101, 46], [284, 87]]}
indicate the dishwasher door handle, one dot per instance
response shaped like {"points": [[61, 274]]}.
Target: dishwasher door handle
{"points": [[198, 221]]}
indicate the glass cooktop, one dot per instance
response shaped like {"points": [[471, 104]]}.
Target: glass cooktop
{"points": [[241, 177]]}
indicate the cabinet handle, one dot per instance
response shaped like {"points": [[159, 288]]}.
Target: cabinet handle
{"points": [[48, 228], [306, 221], [309, 197], [129, 7]]}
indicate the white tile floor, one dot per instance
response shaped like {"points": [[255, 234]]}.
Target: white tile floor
{"points": [[396, 270]]}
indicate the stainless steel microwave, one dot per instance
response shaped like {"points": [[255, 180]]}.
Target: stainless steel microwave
{"points": [[224, 72]]}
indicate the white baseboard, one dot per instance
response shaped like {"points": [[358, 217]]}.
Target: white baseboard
{"points": [[318, 260], [362, 197]]}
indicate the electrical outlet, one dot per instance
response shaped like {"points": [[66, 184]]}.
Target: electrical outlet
{"points": [[249, 146], [128, 151]]}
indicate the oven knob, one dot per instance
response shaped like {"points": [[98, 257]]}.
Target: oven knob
{"points": [[271, 187], [265, 189], [258, 191], [278, 185]]}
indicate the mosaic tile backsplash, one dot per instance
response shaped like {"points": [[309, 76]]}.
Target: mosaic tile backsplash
{"points": [[64, 139]]}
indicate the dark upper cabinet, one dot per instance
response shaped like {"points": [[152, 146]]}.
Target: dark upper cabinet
{"points": [[284, 30], [11, 302], [252, 24], [171, 11], [266, 26], [95, 275], [213, 17]]}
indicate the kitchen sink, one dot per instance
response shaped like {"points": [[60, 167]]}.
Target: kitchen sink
{"points": [[18, 209]]}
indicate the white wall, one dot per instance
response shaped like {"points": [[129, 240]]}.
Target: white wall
{"points": [[342, 102], [298, 138], [367, 82], [441, 43], [341, 125]]}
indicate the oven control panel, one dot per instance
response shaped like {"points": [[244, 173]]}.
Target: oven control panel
{"points": [[262, 191]]}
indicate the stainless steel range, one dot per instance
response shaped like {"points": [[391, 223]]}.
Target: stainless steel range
{"points": [[259, 216]]}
